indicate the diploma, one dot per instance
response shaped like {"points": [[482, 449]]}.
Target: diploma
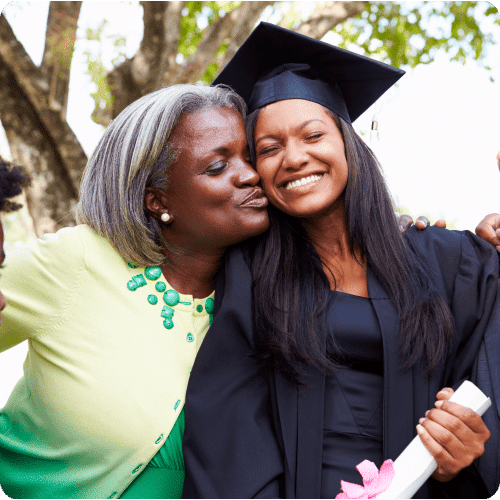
{"points": [[415, 465]]}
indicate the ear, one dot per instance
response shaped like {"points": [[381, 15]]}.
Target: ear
{"points": [[155, 202]]}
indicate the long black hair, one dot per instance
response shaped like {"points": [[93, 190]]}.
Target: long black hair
{"points": [[290, 285]]}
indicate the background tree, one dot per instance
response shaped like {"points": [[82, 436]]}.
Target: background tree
{"points": [[176, 47]]}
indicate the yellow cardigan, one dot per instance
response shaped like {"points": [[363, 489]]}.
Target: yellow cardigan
{"points": [[106, 372]]}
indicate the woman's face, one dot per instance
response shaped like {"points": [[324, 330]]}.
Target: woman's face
{"points": [[213, 193], [300, 158], [3, 303]]}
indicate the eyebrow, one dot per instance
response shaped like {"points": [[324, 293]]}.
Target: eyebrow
{"points": [[300, 127], [225, 149]]}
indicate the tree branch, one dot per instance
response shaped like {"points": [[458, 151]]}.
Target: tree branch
{"points": [[60, 37], [171, 30], [327, 16], [148, 55], [219, 32], [21, 73], [152, 64], [245, 22], [52, 194]]}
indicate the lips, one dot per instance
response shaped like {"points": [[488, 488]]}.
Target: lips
{"points": [[255, 199]]}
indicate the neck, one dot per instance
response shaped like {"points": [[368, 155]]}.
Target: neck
{"points": [[329, 234], [192, 273], [344, 267]]}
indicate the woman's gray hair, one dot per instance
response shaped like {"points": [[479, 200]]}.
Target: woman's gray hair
{"points": [[134, 154]]}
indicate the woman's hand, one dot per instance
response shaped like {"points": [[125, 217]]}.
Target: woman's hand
{"points": [[405, 221], [453, 434], [489, 230]]}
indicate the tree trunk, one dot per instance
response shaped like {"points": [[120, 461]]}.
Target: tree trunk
{"points": [[32, 111]]}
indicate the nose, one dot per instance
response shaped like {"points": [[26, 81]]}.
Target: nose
{"points": [[247, 175], [295, 156]]}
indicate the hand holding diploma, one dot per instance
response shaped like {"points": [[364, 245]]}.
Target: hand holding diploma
{"points": [[454, 435], [451, 436]]}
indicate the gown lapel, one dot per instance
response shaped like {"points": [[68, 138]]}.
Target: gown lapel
{"points": [[311, 400], [398, 383], [286, 400], [302, 408]]}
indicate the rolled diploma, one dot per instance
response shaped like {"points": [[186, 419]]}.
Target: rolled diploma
{"points": [[415, 465]]}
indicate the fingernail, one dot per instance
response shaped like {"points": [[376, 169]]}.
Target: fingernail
{"points": [[427, 412], [444, 390], [439, 404], [420, 429], [422, 420]]}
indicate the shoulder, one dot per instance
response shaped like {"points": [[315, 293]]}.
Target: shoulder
{"points": [[453, 244], [56, 258], [60, 248], [446, 254], [434, 238]]}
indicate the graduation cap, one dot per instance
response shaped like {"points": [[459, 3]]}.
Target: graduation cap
{"points": [[274, 64]]}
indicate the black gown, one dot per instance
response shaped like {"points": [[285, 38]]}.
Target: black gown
{"points": [[255, 434]]}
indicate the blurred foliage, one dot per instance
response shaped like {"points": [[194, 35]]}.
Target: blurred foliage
{"points": [[412, 33]]}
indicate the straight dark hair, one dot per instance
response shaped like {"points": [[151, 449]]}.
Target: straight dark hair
{"points": [[291, 289]]}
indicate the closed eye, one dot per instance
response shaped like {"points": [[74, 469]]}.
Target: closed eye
{"points": [[317, 135], [267, 150], [216, 168]]}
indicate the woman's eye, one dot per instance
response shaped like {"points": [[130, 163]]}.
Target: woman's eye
{"points": [[216, 168], [267, 150], [316, 135]]}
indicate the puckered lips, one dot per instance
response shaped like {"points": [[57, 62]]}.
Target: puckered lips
{"points": [[255, 199]]}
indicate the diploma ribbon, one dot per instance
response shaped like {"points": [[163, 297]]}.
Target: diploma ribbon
{"points": [[374, 481]]}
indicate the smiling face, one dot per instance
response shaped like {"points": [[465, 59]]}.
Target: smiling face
{"points": [[2, 258], [300, 158], [213, 194]]}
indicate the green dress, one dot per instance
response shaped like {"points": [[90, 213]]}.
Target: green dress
{"points": [[164, 475]]}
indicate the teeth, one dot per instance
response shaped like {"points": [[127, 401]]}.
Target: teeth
{"points": [[303, 181]]}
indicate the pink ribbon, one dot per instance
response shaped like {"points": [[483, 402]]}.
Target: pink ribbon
{"points": [[374, 482]]}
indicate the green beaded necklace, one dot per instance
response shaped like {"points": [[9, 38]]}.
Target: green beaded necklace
{"points": [[170, 297]]}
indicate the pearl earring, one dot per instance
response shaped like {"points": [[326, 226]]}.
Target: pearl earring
{"points": [[165, 217]]}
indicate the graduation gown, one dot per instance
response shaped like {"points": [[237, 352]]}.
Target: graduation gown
{"points": [[255, 434]]}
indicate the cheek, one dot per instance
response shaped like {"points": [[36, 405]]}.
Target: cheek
{"points": [[267, 174]]}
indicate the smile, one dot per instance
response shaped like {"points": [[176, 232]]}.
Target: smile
{"points": [[303, 181]]}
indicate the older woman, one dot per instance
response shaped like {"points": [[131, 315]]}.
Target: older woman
{"points": [[338, 332], [115, 309]]}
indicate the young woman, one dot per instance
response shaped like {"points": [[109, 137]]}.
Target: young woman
{"points": [[336, 332], [115, 309]]}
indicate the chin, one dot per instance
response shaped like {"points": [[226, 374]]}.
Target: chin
{"points": [[252, 230]]}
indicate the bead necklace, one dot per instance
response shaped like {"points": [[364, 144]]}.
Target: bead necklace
{"points": [[170, 297]]}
